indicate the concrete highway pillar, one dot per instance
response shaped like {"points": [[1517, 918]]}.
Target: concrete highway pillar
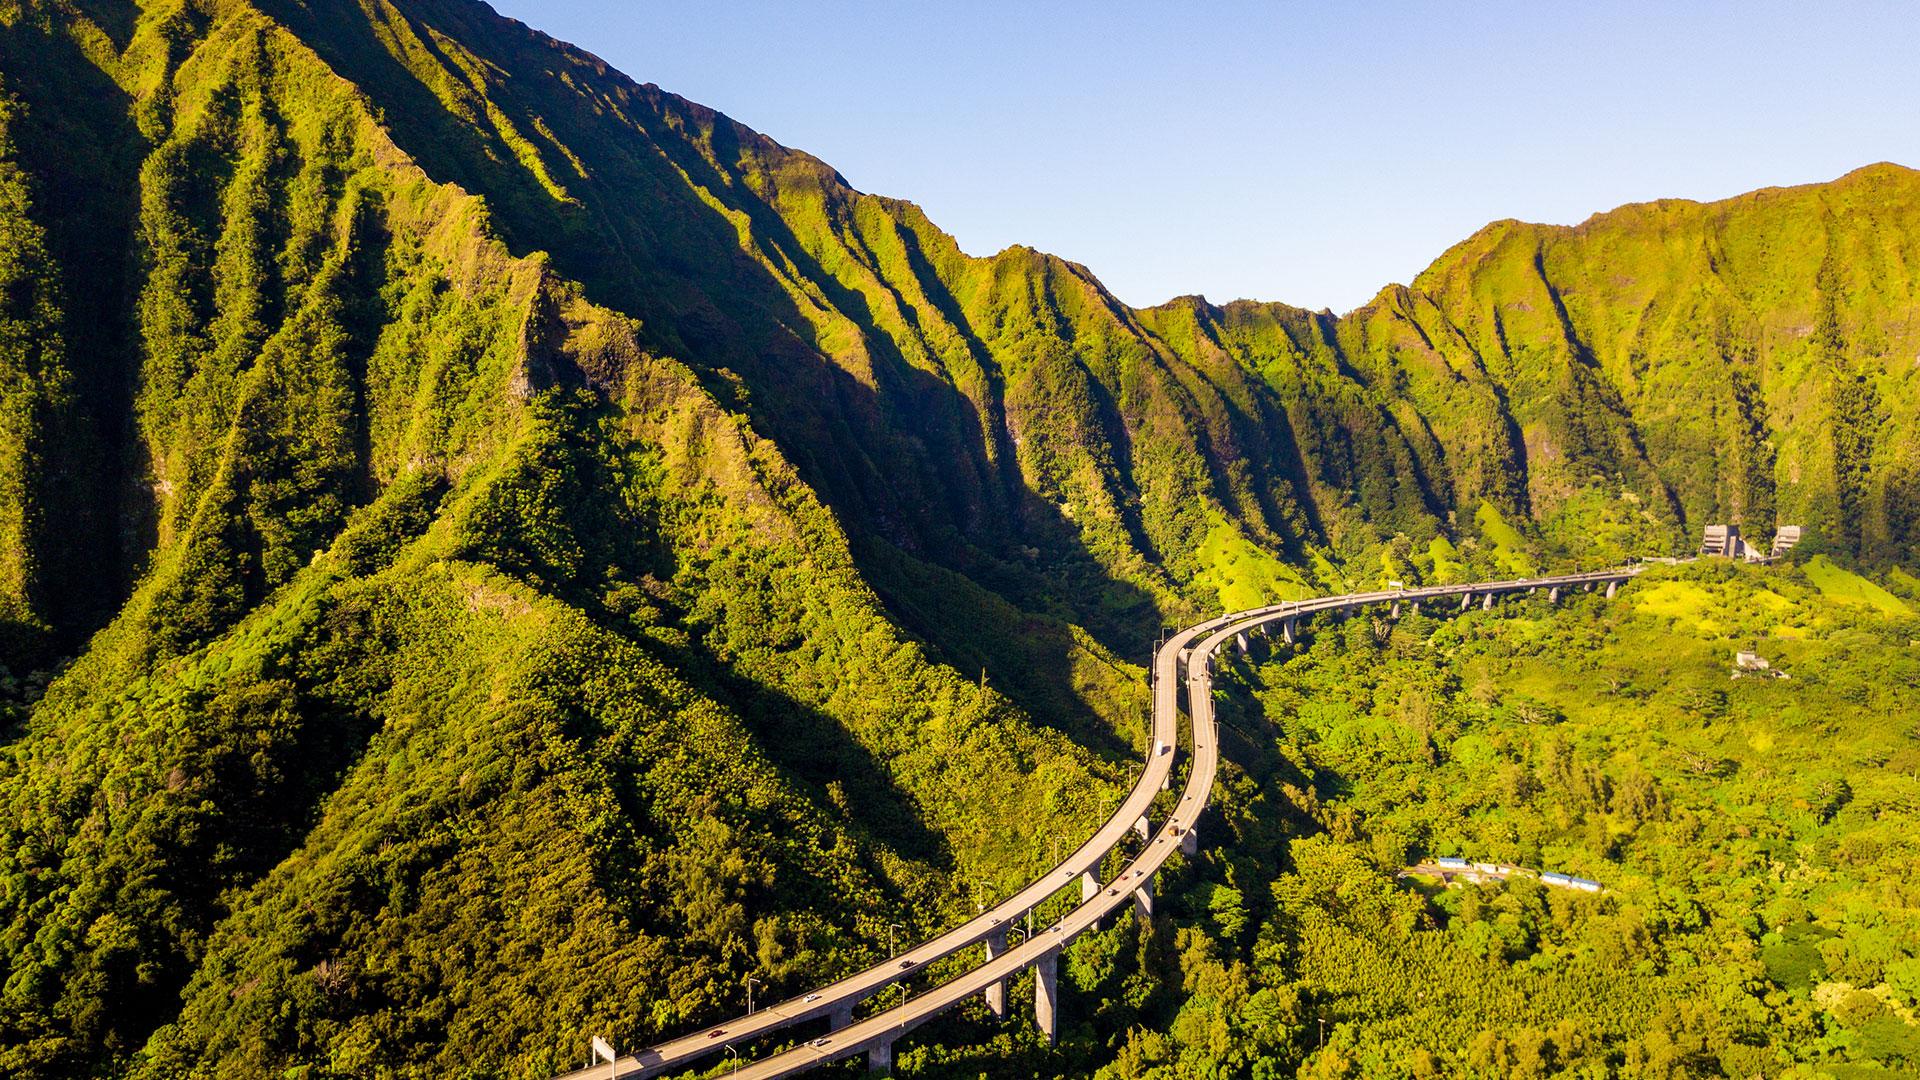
{"points": [[1090, 888], [1553, 595], [1416, 607], [880, 1057], [1466, 600], [1287, 630], [1046, 995], [997, 993], [1612, 587], [1143, 827], [1143, 900], [1487, 604], [840, 1017], [1587, 587], [1531, 589], [1190, 841], [1245, 645], [1395, 613]]}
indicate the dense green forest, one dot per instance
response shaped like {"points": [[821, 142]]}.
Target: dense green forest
{"points": [[466, 517]]}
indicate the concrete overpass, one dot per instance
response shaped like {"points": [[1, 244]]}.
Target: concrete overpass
{"points": [[1190, 653]]}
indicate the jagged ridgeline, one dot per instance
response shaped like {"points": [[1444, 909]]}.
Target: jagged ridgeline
{"points": [[493, 521]]}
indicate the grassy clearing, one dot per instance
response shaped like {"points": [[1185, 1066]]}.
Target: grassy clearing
{"points": [[1839, 583], [1243, 575], [1509, 547]]}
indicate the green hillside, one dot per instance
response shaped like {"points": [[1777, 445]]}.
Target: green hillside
{"points": [[466, 516]]}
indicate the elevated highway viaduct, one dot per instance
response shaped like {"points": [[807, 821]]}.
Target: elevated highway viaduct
{"points": [[1184, 661]]}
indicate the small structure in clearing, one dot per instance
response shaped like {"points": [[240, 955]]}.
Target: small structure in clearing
{"points": [[1752, 663]]}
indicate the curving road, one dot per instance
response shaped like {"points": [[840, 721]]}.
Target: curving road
{"points": [[1191, 650]]}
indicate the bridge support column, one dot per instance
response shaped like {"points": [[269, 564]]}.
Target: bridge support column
{"points": [[1395, 613], [880, 1057], [1245, 645], [997, 993], [1144, 828], [1416, 607], [1287, 629], [1089, 888], [1487, 604], [1553, 595], [1143, 900], [840, 1017], [1612, 587], [1190, 841], [1046, 995], [1466, 600]]}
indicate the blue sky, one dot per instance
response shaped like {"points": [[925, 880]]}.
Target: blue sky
{"points": [[1309, 153]]}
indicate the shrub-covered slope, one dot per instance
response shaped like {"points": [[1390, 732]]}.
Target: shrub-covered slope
{"points": [[474, 644], [464, 514]]}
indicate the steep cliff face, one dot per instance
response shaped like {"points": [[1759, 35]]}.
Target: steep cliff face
{"points": [[1754, 357], [491, 518], [1008, 419]]}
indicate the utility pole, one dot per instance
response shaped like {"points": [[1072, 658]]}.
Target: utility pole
{"points": [[750, 981]]}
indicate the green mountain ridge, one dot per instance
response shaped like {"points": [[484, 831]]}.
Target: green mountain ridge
{"points": [[466, 517]]}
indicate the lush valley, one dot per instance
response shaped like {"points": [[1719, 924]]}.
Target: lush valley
{"points": [[467, 518]]}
